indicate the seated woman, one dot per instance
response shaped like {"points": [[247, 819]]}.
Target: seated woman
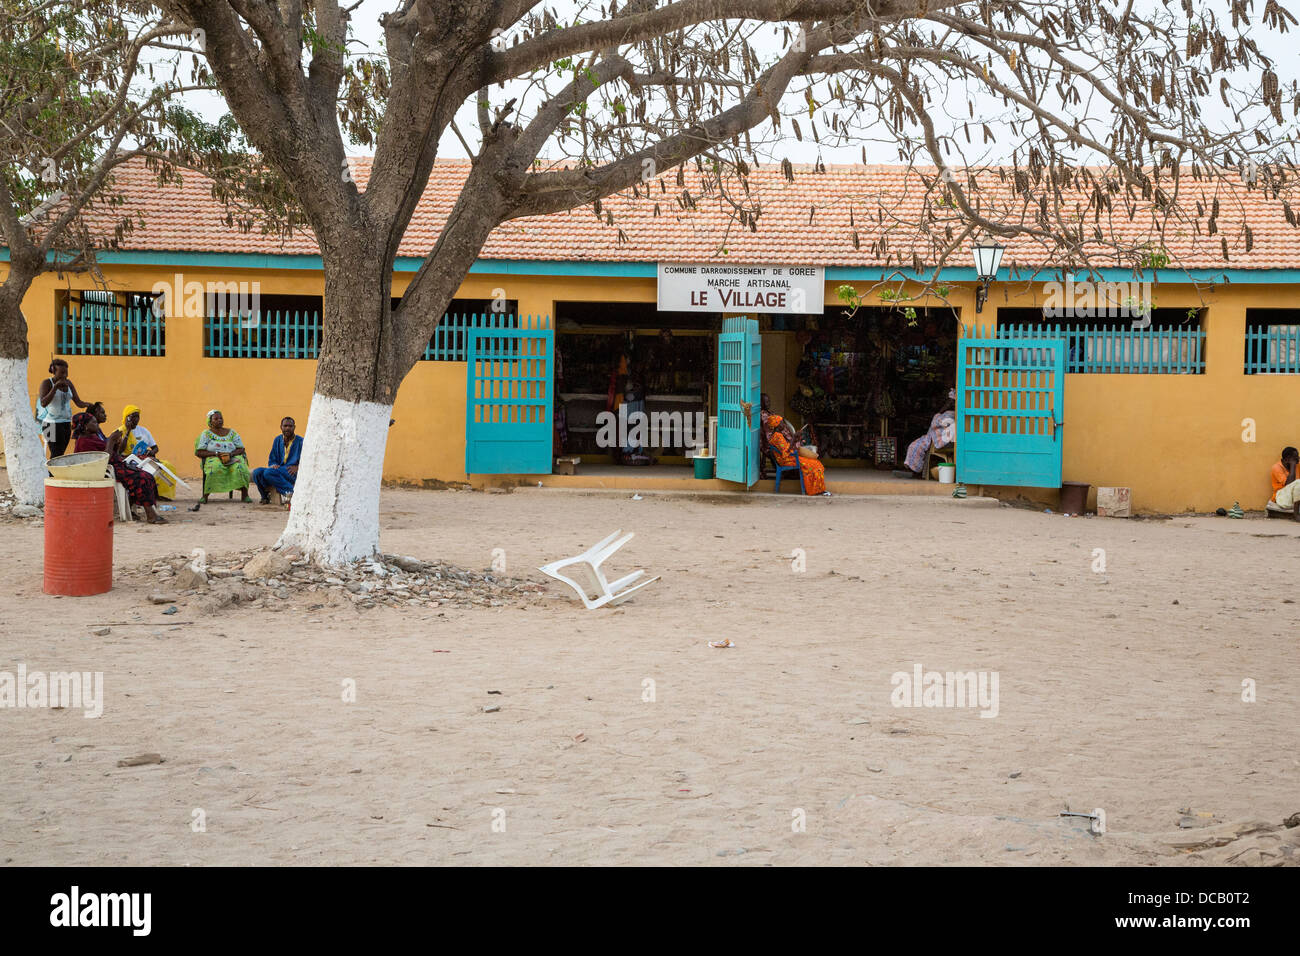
{"points": [[91, 436], [780, 436], [225, 462], [138, 435], [140, 487], [942, 433]]}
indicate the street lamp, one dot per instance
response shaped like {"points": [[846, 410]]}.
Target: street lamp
{"points": [[988, 256]]}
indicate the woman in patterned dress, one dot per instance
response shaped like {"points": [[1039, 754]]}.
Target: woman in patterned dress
{"points": [[140, 486], [225, 462], [780, 436]]}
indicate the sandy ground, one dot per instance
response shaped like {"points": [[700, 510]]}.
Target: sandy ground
{"points": [[1120, 690]]}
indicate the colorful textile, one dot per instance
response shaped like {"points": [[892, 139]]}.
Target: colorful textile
{"points": [[140, 486], [127, 412], [218, 477], [942, 433], [141, 435], [814, 472], [1277, 476]]}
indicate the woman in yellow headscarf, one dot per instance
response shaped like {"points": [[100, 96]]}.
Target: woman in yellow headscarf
{"points": [[136, 435]]}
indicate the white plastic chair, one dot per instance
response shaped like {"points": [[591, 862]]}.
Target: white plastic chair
{"points": [[123, 502], [588, 565]]}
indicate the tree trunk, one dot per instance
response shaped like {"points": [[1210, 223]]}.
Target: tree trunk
{"points": [[334, 517], [24, 454]]}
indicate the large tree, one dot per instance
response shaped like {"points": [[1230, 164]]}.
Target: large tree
{"points": [[1102, 108], [85, 86]]}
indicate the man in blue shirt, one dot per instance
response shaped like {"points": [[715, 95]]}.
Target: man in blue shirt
{"points": [[281, 469]]}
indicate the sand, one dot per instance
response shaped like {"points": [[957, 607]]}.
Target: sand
{"points": [[622, 737]]}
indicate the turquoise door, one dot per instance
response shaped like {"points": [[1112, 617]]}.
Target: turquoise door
{"points": [[508, 425], [739, 384], [1010, 402]]}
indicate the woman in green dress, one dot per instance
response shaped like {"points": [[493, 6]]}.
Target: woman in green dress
{"points": [[225, 463]]}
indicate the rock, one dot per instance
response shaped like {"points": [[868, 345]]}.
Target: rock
{"points": [[190, 577], [26, 511], [1014, 774], [140, 760], [171, 610], [159, 597], [491, 708], [405, 562], [266, 564], [101, 631], [282, 594]]}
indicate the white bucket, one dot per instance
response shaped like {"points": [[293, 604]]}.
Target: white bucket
{"points": [[947, 474], [82, 466]]}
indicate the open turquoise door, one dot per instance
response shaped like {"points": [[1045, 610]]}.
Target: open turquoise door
{"points": [[740, 361], [1010, 402], [508, 426]]}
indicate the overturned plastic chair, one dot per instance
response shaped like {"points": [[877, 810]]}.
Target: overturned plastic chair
{"points": [[584, 573]]}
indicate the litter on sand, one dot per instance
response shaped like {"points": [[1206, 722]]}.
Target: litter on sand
{"points": [[726, 642], [583, 573]]}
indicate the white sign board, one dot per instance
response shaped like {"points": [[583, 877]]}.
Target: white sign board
{"points": [[707, 287]]}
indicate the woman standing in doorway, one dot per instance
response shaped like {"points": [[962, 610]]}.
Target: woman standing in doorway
{"points": [[54, 407]]}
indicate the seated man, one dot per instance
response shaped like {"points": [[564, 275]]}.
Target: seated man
{"points": [[1286, 490], [281, 469]]}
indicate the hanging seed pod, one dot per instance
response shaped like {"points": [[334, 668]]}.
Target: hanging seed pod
{"points": [[1268, 85]]}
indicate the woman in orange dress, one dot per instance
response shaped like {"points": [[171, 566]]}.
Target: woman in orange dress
{"points": [[781, 437]]}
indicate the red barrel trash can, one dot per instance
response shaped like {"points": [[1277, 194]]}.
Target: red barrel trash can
{"points": [[78, 536]]}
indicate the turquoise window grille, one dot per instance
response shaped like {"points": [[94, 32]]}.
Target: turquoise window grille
{"points": [[1164, 350], [272, 334], [107, 328], [1273, 350]]}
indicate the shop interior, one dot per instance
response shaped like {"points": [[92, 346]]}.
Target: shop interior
{"points": [[865, 383]]}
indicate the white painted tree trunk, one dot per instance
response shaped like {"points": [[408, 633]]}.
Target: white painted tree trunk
{"points": [[24, 453], [334, 518]]}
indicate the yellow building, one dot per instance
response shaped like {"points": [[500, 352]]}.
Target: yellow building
{"points": [[1184, 390]]}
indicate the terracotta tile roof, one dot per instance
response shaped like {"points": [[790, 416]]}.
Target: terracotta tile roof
{"points": [[812, 220]]}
